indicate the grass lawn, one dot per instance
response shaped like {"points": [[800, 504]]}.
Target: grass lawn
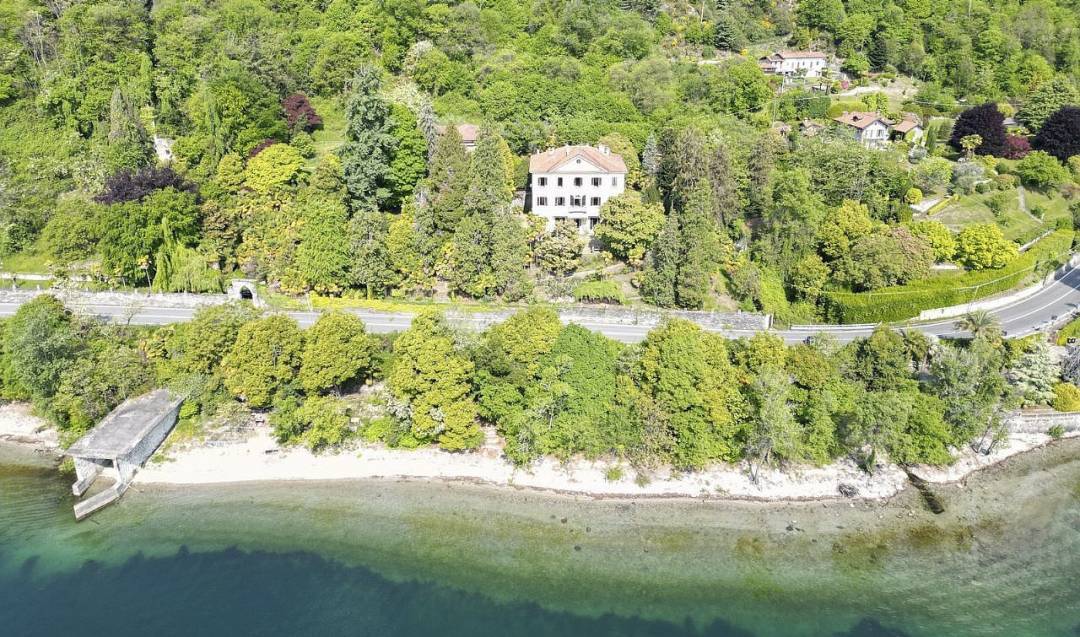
{"points": [[1015, 223], [332, 134], [25, 263]]}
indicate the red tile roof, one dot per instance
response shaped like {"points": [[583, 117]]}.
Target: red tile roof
{"points": [[860, 120], [549, 160]]}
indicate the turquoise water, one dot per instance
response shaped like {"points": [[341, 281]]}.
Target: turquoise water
{"points": [[401, 558]]}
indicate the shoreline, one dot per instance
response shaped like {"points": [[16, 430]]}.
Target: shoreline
{"points": [[257, 457]]}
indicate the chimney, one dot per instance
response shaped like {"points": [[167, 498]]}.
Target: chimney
{"points": [[604, 150]]}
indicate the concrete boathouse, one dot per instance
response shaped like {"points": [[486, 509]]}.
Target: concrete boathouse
{"points": [[119, 445]]}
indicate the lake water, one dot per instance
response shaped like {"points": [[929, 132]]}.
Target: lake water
{"points": [[411, 559]]}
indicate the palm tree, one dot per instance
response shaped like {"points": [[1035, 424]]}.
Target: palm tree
{"points": [[979, 323]]}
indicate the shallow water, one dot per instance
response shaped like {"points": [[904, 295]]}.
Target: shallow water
{"points": [[412, 558]]}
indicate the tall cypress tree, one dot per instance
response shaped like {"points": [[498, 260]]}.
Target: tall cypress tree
{"points": [[725, 191], [366, 155], [490, 187], [668, 168], [662, 266], [371, 268]]}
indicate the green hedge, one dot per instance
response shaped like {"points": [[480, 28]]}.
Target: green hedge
{"points": [[906, 301], [599, 292]]}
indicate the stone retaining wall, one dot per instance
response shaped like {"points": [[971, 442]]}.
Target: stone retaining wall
{"points": [[1040, 422]]}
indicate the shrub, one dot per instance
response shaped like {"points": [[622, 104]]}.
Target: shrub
{"points": [[1016, 147], [1056, 432], [300, 114], [1042, 170], [903, 302], [135, 185], [599, 292], [614, 473], [913, 196], [982, 245], [1066, 397]]}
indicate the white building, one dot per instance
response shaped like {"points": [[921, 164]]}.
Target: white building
{"points": [[794, 63], [572, 182], [871, 129]]}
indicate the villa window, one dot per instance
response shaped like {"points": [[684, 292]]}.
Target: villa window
{"points": [[614, 181], [541, 201], [593, 221], [541, 181], [560, 201], [596, 182], [595, 201], [558, 181], [577, 181], [577, 201]]}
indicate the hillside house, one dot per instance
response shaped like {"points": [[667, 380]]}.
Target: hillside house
{"points": [[468, 134], [909, 128], [572, 183], [794, 64], [869, 129]]}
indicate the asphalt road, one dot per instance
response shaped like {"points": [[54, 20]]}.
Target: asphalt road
{"points": [[1039, 312]]}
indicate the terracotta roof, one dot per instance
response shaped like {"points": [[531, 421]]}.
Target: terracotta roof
{"points": [[549, 160], [860, 120], [468, 132], [906, 125]]}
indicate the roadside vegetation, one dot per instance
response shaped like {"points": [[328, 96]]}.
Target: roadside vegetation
{"points": [[683, 397]]}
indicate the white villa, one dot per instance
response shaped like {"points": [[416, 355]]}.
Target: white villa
{"points": [[870, 129], [794, 63], [572, 182]]}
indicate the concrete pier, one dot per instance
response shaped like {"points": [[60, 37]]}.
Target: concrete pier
{"points": [[119, 445]]}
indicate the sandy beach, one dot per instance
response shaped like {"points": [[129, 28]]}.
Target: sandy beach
{"points": [[260, 458], [19, 425], [256, 457]]}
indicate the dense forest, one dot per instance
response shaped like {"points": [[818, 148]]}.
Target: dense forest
{"points": [[683, 397], [307, 150]]}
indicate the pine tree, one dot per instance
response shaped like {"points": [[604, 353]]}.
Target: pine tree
{"points": [[700, 250], [725, 191], [426, 121], [471, 266], [366, 155], [760, 166], [662, 266], [650, 157], [370, 261], [322, 259], [691, 167], [128, 144], [490, 181], [448, 181], [1045, 100], [409, 163], [668, 167], [509, 258]]}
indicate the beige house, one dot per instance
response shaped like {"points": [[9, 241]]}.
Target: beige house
{"points": [[573, 182], [868, 128]]}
